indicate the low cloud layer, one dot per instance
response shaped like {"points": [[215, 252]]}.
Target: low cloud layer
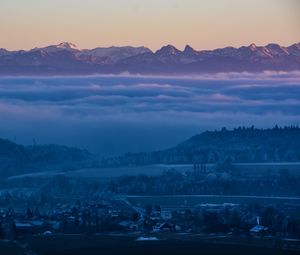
{"points": [[115, 114]]}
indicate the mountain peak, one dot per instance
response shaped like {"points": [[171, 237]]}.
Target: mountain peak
{"points": [[188, 49], [168, 49], [273, 45], [295, 46], [276, 49], [67, 45], [3, 51], [63, 57], [252, 46]]}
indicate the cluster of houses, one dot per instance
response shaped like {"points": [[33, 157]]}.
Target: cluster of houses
{"points": [[93, 217], [108, 216], [186, 218]]}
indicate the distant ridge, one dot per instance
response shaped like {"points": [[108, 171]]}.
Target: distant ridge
{"points": [[18, 159], [241, 145], [67, 58]]}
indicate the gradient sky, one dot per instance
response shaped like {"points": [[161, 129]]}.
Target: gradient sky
{"points": [[204, 24]]}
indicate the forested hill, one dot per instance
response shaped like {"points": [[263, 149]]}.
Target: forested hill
{"points": [[241, 145], [18, 159]]}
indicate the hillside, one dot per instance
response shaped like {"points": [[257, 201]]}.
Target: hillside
{"points": [[18, 159], [241, 145]]}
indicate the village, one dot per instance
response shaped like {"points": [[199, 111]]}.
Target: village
{"points": [[116, 215]]}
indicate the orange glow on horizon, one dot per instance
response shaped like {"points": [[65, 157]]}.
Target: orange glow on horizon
{"points": [[203, 24]]}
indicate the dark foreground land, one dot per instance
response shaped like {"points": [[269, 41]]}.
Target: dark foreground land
{"points": [[127, 245]]}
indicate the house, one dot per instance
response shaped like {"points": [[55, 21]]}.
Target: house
{"points": [[129, 225], [146, 239], [163, 227], [166, 214], [114, 213], [29, 227], [258, 230]]}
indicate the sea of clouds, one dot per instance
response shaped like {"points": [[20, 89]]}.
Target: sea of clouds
{"points": [[117, 114]]}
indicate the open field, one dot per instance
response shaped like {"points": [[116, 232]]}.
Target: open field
{"points": [[208, 199], [122, 244], [247, 169], [10, 248]]}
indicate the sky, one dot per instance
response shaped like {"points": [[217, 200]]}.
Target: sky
{"points": [[111, 115], [203, 24]]}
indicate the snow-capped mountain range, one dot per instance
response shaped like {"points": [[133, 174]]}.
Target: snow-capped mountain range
{"points": [[67, 58]]}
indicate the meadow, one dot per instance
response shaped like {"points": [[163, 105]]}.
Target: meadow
{"points": [[245, 169], [183, 201], [125, 245]]}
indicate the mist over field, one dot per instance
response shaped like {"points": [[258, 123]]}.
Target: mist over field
{"points": [[117, 114]]}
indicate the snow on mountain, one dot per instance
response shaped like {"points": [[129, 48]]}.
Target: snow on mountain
{"points": [[116, 54], [294, 49], [3, 52], [277, 50], [66, 46], [167, 51], [188, 50], [68, 58]]}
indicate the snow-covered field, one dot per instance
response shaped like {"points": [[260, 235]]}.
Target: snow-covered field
{"points": [[246, 168], [192, 200]]}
